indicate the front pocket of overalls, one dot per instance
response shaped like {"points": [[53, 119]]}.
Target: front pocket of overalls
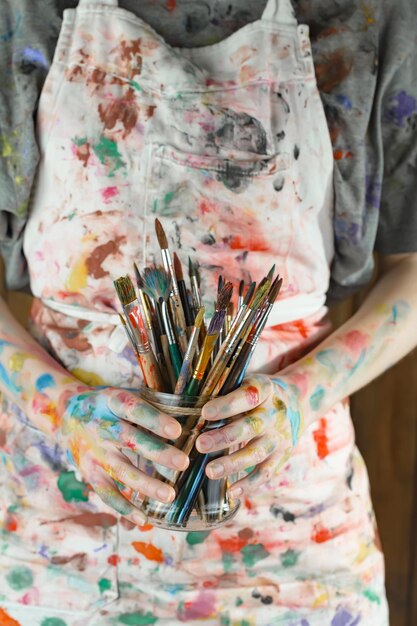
{"points": [[230, 216]]}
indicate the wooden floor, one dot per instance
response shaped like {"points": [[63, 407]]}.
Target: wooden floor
{"points": [[385, 416]]}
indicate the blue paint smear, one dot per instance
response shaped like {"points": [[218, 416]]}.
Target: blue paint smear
{"points": [[9, 34], [8, 382], [326, 358], [344, 101], [35, 56], [401, 107], [44, 382], [317, 397]]}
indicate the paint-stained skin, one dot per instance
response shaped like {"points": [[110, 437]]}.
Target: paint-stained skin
{"points": [[234, 179]]}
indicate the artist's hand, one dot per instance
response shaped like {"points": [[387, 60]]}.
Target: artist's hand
{"points": [[266, 417], [98, 424]]}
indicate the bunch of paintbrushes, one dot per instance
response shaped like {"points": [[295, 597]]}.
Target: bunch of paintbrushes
{"points": [[182, 353]]}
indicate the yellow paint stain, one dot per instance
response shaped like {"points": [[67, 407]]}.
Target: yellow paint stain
{"points": [[78, 277], [89, 378], [368, 13], [363, 553], [18, 180], [7, 148], [256, 424], [383, 309], [321, 600], [16, 361]]}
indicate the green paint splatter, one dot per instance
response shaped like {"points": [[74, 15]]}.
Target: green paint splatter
{"points": [[239, 601], [197, 537], [224, 620], [372, 596], [316, 398], [250, 469], [20, 578], [135, 85], [107, 153], [289, 558], [71, 488], [104, 584], [169, 197], [53, 621], [228, 561], [79, 141], [253, 553], [155, 206], [137, 619]]}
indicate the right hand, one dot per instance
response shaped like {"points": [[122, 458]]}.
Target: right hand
{"points": [[98, 424]]}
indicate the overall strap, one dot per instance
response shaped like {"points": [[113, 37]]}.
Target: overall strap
{"points": [[280, 11], [86, 3]]}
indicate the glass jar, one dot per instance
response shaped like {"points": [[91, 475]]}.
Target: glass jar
{"points": [[200, 503]]}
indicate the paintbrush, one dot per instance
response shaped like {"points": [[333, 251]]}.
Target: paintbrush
{"points": [[240, 298], [195, 287], [157, 285], [148, 314], [165, 348], [239, 327], [238, 370], [182, 288], [179, 318], [188, 357], [213, 331], [150, 369]]}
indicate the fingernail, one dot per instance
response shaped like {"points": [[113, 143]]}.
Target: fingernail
{"points": [[205, 443], [171, 431], [216, 470], [180, 461], [235, 492], [210, 411], [138, 518], [166, 494]]}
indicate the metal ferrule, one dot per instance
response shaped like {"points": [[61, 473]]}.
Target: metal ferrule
{"points": [[167, 324]]}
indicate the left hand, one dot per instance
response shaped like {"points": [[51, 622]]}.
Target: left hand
{"points": [[266, 417]]}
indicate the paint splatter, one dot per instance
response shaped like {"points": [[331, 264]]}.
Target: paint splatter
{"points": [[321, 439], [253, 553], [19, 578], [252, 395], [46, 381], [317, 398], [197, 537], [53, 621], [108, 193], [71, 488], [108, 154], [400, 107], [333, 69], [151, 552], [137, 618], [289, 558], [6, 620], [97, 257], [104, 584], [203, 606]]}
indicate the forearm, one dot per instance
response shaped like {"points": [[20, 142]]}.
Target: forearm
{"points": [[382, 331], [29, 376]]}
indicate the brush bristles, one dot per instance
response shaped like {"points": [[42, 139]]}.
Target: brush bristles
{"points": [[216, 322], [138, 276], [260, 294], [156, 282], [220, 284], [190, 268], [125, 290], [230, 308], [275, 289], [161, 236], [271, 272], [224, 296], [249, 294], [178, 268], [199, 318], [241, 287]]}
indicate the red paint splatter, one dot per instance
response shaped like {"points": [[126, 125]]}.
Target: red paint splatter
{"points": [[6, 620], [151, 552], [356, 342], [252, 395], [11, 524], [321, 534], [171, 5], [113, 559], [340, 154], [232, 544], [320, 437], [145, 528], [248, 504], [108, 193], [236, 242], [333, 69]]}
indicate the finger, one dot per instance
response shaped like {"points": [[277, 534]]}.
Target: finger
{"points": [[150, 446], [253, 391], [124, 472], [108, 492], [255, 452], [130, 407], [261, 475], [241, 429]]}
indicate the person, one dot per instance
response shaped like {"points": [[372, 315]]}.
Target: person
{"points": [[208, 116]]}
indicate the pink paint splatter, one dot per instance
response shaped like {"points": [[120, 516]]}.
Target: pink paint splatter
{"points": [[356, 342], [108, 193], [252, 395], [203, 606]]}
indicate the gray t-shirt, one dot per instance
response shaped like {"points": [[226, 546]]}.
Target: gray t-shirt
{"points": [[365, 57]]}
